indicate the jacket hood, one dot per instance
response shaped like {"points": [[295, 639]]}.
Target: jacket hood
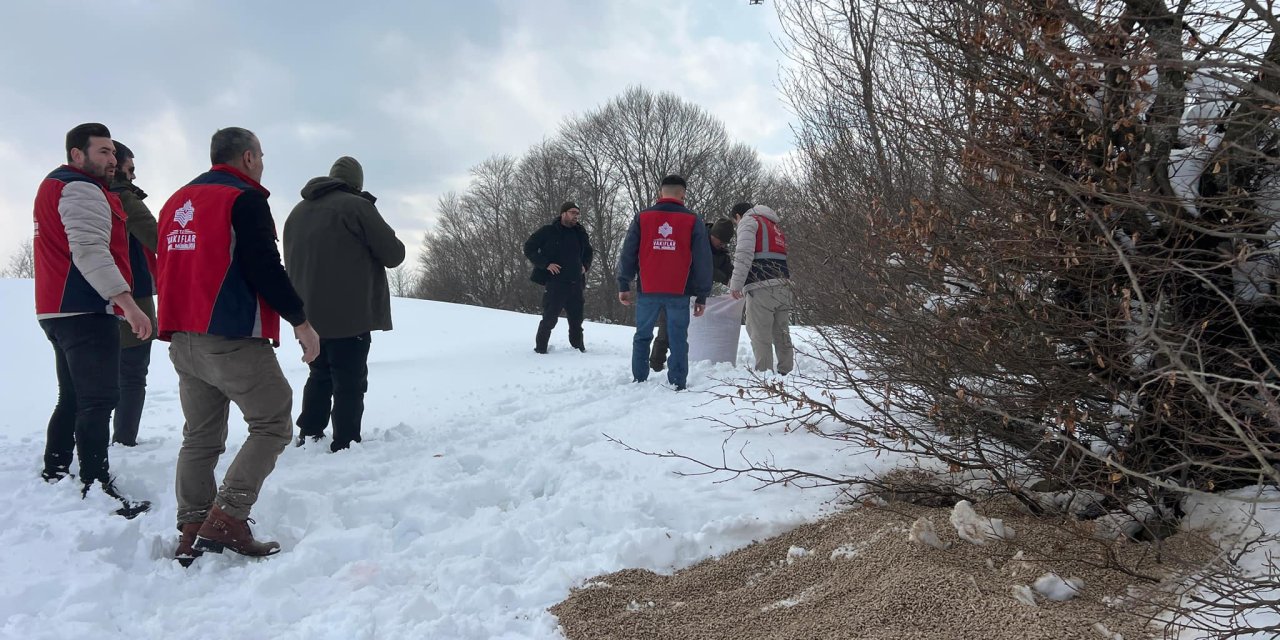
{"points": [[317, 187], [761, 210], [324, 185]]}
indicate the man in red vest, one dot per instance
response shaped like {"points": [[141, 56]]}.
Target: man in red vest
{"points": [[222, 292], [667, 247], [760, 273], [83, 284]]}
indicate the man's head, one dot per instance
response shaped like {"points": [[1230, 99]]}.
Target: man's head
{"points": [[89, 149], [672, 186], [739, 210], [721, 233], [124, 161], [569, 214], [348, 170], [238, 148]]}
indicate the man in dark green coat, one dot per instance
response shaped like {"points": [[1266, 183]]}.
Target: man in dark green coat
{"points": [[135, 353], [561, 254], [719, 233], [337, 249]]}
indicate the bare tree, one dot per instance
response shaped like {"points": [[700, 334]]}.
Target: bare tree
{"points": [[403, 281], [23, 263]]}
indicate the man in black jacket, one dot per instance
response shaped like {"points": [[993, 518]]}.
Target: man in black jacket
{"points": [[337, 249], [561, 254]]}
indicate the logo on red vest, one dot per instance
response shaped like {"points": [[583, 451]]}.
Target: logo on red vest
{"points": [[665, 243], [183, 239]]}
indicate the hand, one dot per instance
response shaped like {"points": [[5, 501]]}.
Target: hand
{"points": [[625, 298], [698, 309], [554, 268], [138, 321], [309, 340], [736, 293]]}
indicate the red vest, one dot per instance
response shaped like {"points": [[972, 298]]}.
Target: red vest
{"points": [[60, 287], [770, 242], [198, 279], [666, 247]]}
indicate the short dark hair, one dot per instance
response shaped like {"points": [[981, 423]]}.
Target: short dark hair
{"points": [[123, 152], [78, 136], [740, 209], [230, 143], [673, 180]]}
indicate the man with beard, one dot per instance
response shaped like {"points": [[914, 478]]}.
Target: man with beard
{"points": [[83, 283], [561, 254]]}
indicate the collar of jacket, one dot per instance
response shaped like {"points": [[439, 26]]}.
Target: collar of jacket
{"points": [[671, 201], [240, 174], [81, 172]]}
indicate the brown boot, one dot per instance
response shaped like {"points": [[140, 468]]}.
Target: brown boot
{"points": [[187, 552], [221, 531]]}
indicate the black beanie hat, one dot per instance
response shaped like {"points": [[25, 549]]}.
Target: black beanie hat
{"points": [[740, 209], [567, 206], [122, 152], [723, 229]]}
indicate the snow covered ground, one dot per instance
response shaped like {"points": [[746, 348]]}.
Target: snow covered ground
{"points": [[485, 488]]}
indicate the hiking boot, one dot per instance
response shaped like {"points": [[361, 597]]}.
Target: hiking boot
{"points": [[52, 477], [187, 552], [222, 531], [539, 349]]}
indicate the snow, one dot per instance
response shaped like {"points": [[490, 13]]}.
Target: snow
{"points": [[1057, 588], [484, 490]]}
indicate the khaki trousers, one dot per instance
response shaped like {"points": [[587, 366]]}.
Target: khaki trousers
{"points": [[212, 373], [769, 327]]}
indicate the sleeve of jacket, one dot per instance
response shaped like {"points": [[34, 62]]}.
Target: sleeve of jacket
{"points": [[140, 222], [86, 216], [533, 247], [588, 253], [381, 238], [701, 267], [260, 260], [721, 267], [744, 251], [629, 258]]}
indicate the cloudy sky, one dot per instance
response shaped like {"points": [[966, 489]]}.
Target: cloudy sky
{"points": [[418, 91]]}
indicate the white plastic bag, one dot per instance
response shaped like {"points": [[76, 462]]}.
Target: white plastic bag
{"points": [[714, 336]]}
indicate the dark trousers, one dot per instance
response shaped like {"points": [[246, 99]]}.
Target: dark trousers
{"points": [[86, 350], [134, 363], [566, 296], [336, 387]]}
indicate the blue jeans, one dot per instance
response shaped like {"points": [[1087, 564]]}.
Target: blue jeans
{"points": [[648, 306]]}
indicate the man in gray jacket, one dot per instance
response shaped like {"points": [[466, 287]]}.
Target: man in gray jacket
{"points": [[337, 249], [760, 273], [83, 284]]}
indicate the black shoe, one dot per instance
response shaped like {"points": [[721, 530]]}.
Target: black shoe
{"points": [[582, 349], [302, 439], [539, 349], [53, 477], [679, 387], [336, 446], [129, 509]]}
